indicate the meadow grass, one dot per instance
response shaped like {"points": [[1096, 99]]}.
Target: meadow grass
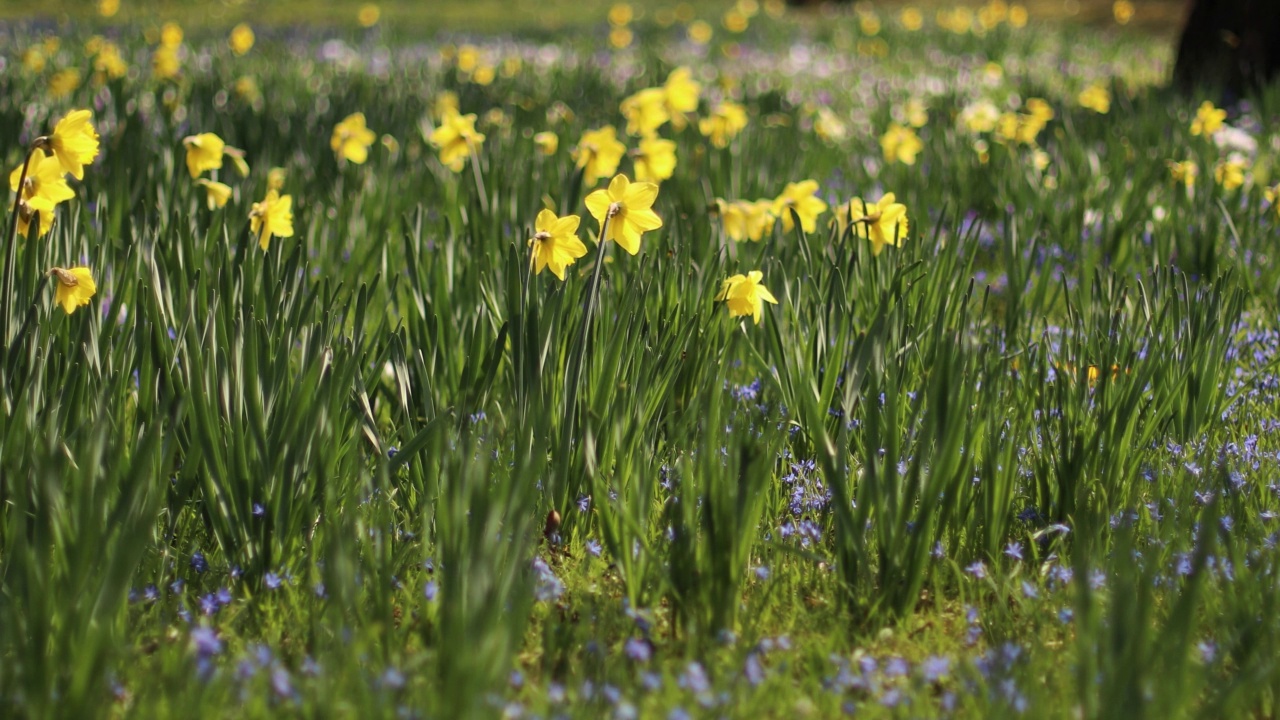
{"points": [[1015, 456]]}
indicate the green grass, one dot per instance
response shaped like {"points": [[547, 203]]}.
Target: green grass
{"points": [[1021, 464]]}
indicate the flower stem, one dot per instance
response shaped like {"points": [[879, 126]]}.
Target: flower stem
{"points": [[6, 293], [475, 172], [573, 377]]}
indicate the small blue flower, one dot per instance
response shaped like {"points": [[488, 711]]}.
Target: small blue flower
{"points": [[272, 581], [198, 563], [430, 590]]}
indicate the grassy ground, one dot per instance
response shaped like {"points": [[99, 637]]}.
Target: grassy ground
{"points": [[1014, 455]]}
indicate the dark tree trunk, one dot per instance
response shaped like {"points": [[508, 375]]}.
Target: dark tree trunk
{"points": [[1231, 44]]}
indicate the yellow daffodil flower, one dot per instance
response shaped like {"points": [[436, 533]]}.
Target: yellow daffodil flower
{"points": [[1184, 172], [725, 122], [171, 35], [979, 117], [829, 127], [456, 138], [628, 208], [1208, 119], [204, 152], [555, 243], [44, 187], [744, 295], [759, 218], [272, 216], [351, 139], [276, 178], [682, 96], [646, 111], [654, 160], [883, 223], [73, 287], [241, 39], [733, 218], [1229, 173], [216, 193], [74, 142], [547, 142], [801, 198], [368, 15], [64, 82], [165, 64], [900, 144], [598, 153], [1096, 97]]}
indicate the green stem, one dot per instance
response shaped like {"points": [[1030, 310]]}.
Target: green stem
{"points": [[6, 294], [475, 172], [574, 376]]}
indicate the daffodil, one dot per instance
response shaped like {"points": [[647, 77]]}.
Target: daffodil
{"points": [[241, 39], [829, 127], [800, 197], [1039, 109], [979, 117], [456, 138], [74, 287], [883, 222], [733, 219], [64, 82], [547, 142], [1184, 172], [627, 209], [654, 160], [108, 62], [1229, 173], [204, 152], [759, 218], [272, 216], [216, 194], [44, 187], [598, 153], [1096, 97], [1208, 119], [351, 139], [275, 178], [726, 121], [682, 95], [74, 142], [555, 243], [237, 159], [165, 64], [745, 295], [368, 15], [646, 111], [900, 144]]}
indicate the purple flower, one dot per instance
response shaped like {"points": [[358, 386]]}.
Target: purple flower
{"points": [[978, 570], [430, 590], [593, 547], [638, 650], [206, 641], [754, 670], [1014, 550], [198, 563], [272, 581], [934, 668]]}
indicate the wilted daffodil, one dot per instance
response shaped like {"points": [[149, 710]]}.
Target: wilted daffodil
{"points": [[726, 121], [74, 287], [801, 198], [628, 209], [646, 111], [216, 194], [883, 223], [1208, 119], [900, 144], [744, 295], [204, 152], [351, 139], [654, 160], [73, 141], [555, 243], [44, 187], [272, 216], [598, 153], [456, 137]]}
